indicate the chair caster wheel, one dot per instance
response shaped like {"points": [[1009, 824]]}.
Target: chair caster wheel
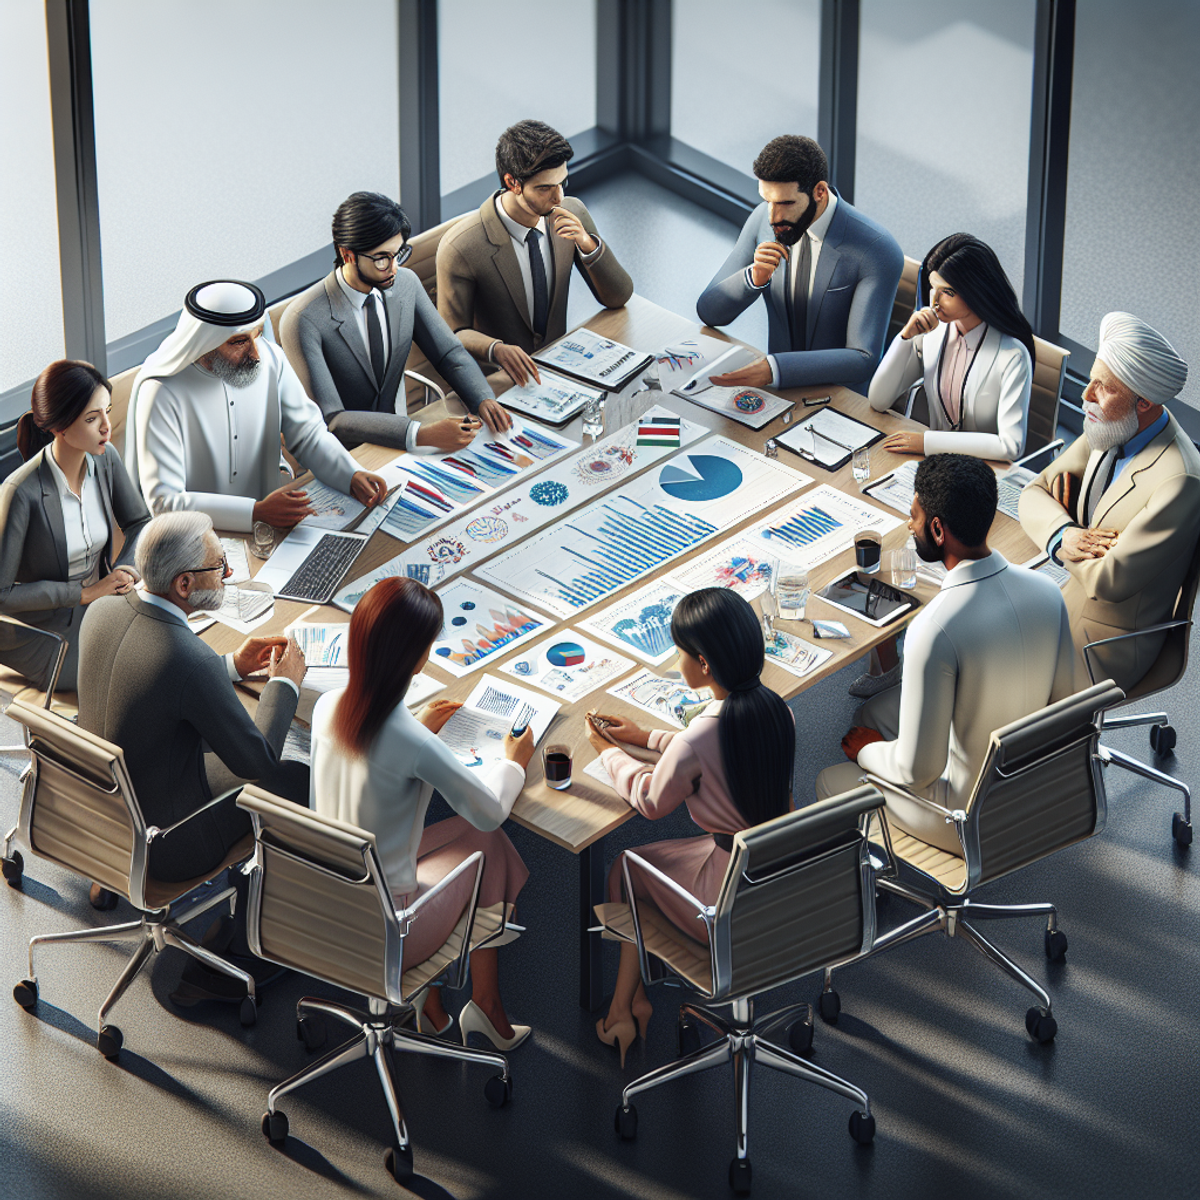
{"points": [[498, 1091], [800, 1035], [739, 1176], [625, 1123], [1162, 739], [311, 1031], [14, 868], [399, 1163], [687, 1037], [26, 994], [275, 1127], [862, 1128], [1181, 830], [1056, 945], [1041, 1025], [109, 1042], [248, 1012], [829, 1005]]}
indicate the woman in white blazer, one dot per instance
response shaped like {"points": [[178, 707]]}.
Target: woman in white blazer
{"points": [[973, 348], [376, 765]]}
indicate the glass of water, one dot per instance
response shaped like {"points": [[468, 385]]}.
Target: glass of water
{"points": [[593, 418], [904, 566], [264, 540], [860, 463], [791, 594]]}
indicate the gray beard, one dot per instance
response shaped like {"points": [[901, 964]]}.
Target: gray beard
{"points": [[1103, 435], [207, 599], [240, 376]]}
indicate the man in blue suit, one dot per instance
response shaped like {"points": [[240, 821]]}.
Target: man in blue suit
{"points": [[828, 276]]}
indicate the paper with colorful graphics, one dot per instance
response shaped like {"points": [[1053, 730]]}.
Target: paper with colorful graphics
{"points": [[480, 626], [568, 666]]}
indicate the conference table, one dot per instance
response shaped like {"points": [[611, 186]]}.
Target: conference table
{"points": [[579, 818]]}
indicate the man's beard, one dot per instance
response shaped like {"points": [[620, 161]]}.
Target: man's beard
{"points": [[793, 231], [927, 549], [1104, 434], [207, 599], [237, 375]]}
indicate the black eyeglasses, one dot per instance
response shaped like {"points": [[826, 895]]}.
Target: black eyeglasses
{"points": [[222, 566], [383, 261]]}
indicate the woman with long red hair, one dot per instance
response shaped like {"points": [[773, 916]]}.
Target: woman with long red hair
{"points": [[376, 765]]}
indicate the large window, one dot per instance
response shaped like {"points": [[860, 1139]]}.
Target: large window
{"points": [[503, 63], [743, 73], [31, 298], [226, 135], [1133, 227], [944, 91]]}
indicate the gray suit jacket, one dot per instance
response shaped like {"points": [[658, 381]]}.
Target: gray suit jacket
{"points": [[852, 297], [33, 560], [149, 684], [480, 291], [320, 335]]}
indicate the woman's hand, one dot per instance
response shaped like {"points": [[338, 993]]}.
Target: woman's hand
{"points": [[599, 742], [117, 583], [924, 320], [905, 443], [519, 749], [437, 712], [620, 729]]}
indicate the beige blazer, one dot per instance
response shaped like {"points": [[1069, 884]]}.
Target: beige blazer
{"points": [[1154, 505], [481, 296]]}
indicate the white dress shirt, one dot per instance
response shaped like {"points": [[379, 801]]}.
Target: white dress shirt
{"points": [[84, 518], [172, 609], [204, 444], [816, 236]]}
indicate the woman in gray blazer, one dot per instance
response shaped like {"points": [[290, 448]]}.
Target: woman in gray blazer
{"points": [[59, 513]]}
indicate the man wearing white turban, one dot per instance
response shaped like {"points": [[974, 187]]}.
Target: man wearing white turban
{"points": [[1120, 507], [207, 410]]}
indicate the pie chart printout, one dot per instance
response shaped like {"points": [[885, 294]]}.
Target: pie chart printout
{"points": [[566, 654], [710, 478]]}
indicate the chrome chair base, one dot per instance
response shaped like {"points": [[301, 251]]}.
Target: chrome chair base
{"points": [[954, 920], [376, 1036], [152, 933], [742, 1041], [1181, 822]]}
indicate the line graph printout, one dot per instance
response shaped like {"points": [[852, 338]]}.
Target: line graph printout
{"points": [[499, 521], [569, 666], [662, 514], [641, 623], [823, 523]]}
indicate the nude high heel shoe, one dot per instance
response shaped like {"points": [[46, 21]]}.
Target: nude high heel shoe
{"points": [[473, 1019], [622, 1034], [423, 1025]]}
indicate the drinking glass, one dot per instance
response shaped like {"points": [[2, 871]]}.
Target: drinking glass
{"points": [[593, 418], [860, 462], [904, 567], [556, 766], [791, 594], [770, 449], [264, 540]]}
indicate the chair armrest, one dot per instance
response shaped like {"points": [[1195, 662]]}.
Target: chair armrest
{"points": [[405, 916], [1124, 637], [154, 831], [911, 399], [1050, 448], [430, 386], [46, 633]]}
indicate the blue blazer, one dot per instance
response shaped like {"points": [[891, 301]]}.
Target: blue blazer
{"points": [[849, 310]]}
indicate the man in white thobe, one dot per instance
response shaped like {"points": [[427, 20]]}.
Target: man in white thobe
{"points": [[206, 413]]}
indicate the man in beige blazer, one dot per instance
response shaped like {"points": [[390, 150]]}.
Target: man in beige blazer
{"points": [[1120, 508], [503, 273]]}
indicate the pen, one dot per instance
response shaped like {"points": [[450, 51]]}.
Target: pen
{"points": [[814, 401]]}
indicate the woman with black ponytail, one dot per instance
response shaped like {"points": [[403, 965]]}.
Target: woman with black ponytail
{"points": [[732, 767], [58, 515]]}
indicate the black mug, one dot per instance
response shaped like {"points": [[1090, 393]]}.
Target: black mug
{"points": [[868, 548]]}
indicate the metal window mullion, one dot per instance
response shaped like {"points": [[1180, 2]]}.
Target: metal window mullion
{"points": [[420, 184], [837, 103]]}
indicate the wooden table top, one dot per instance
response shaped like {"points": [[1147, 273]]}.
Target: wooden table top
{"points": [[587, 811]]}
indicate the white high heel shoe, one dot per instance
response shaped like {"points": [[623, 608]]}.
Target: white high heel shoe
{"points": [[473, 1019], [418, 1003]]}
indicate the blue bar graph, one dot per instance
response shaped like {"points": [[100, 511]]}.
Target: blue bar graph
{"points": [[805, 527]]}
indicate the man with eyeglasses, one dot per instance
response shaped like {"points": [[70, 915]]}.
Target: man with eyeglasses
{"points": [[349, 336], [503, 272], [207, 411], [148, 684]]}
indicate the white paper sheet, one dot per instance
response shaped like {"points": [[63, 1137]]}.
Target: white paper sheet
{"points": [[748, 406], [568, 666], [236, 555], [556, 399], [323, 645], [481, 626], [827, 437], [476, 731], [794, 654], [661, 698], [641, 623], [595, 359]]}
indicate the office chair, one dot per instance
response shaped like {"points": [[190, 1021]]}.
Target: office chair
{"points": [[1039, 791], [79, 810], [798, 893], [1165, 672], [12, 863], [319, 904]]}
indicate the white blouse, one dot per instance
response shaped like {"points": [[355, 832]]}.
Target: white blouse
{"points": [[84, 519]]}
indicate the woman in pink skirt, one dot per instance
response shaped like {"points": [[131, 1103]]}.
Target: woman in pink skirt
{"points": [[732, 767], [376, 766]]}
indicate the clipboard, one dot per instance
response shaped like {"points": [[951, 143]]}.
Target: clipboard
{"points": [[837, 436]]}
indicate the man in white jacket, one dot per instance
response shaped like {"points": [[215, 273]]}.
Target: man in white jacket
{"points": [[992, 646], [206, 413]]}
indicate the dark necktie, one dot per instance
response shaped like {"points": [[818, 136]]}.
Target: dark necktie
{"points": [[537, 272], [800, 296], [1103, 478], [375, 339]]}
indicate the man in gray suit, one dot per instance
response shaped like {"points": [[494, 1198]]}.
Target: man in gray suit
{"points": [[348, 337], [148, 684], [503, 273], [827, 274], [994, 645]]}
